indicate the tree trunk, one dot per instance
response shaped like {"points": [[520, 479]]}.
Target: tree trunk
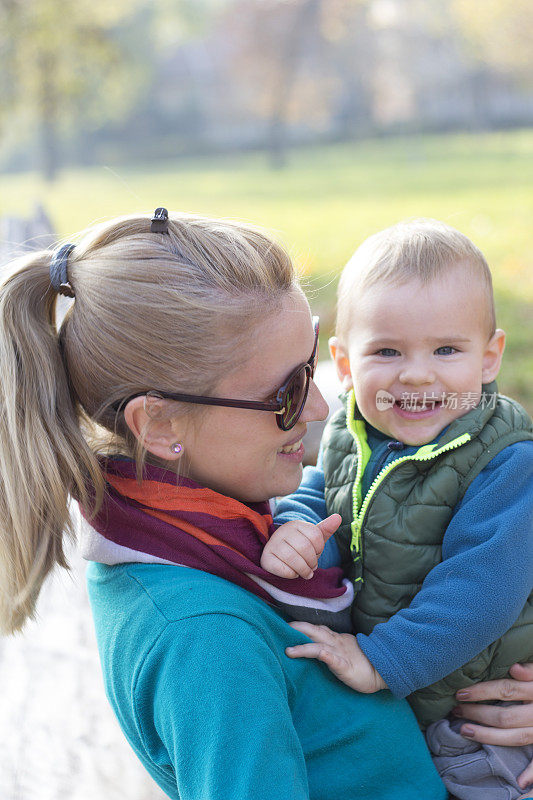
{"points": [[291, 49], [48, 108]]}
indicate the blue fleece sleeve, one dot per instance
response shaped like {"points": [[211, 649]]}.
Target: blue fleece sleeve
{"points": [[478, 590], [309, 503]]}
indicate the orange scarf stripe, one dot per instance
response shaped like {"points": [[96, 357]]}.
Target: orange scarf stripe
{"points": [[198, 533], [166, 497]]}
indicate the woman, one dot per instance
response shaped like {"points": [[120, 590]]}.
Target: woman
{"points": [[185, 362]]}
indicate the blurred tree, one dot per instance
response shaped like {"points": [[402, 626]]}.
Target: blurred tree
{"points": [[307, 62], [60, 58], [177, 20], [452, 64]]}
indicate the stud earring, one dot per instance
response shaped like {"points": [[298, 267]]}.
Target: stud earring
{"points": [[176, 448]]}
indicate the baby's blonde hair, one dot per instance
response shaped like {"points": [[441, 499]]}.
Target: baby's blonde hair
{"points": [[151, 311], [418, 250]]}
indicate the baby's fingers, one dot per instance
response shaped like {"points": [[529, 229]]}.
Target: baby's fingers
{"points": [[328, 526], [271, 563], [296, 566], [298, 554], [330, 657], [318, 633], [308, 650]]}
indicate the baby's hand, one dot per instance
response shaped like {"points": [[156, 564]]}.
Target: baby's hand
{"points": [[342, 655], [292, 551]]}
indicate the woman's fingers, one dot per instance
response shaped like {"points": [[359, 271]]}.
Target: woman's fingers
{"points": [[497, 716], [509, 737], [509, 726], [504, 689], [526, 778], [522, 672]]}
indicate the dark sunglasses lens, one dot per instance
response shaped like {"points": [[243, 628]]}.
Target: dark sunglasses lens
{"points": [[295, 397]]}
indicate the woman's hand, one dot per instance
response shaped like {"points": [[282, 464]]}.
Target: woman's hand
{"points": [[341, 653], [503, 725]]}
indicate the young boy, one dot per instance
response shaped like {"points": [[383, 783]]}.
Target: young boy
{"points": [[432, 473]]}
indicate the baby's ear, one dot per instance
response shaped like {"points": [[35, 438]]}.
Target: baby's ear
{"points": [[492, 357], [339, 355]]}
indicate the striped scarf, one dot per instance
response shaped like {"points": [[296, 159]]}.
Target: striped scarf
{"points": [[190, 525]]}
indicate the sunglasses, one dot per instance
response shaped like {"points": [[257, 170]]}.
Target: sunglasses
{"points": [[288, 404]]}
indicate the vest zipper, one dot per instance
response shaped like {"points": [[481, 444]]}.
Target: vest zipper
{"points": [[425, 453]]}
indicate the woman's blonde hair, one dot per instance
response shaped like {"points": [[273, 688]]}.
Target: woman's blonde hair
{"points": [[151, 311], [421, 249]]}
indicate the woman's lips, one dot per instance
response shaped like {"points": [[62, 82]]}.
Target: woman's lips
{"points": [[294, 449], [294, 452]]}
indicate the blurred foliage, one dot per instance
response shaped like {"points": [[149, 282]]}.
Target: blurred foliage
{"points": [[62, 61], [328, 199], [499, 32]]}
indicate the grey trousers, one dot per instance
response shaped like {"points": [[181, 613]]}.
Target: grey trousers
{"points": [[473, 771]]}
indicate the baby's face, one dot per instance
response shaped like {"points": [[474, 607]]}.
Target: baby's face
{"points": [[417, 355]]}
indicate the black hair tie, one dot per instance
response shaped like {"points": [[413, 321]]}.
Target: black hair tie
{"points": [[58, 270], [159, 221]]}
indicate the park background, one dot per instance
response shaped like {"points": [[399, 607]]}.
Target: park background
{"points": [[322, 120]]}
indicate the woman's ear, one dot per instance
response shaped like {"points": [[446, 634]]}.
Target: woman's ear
{"points": [[158, 435], [492, 357], [342, 363]]}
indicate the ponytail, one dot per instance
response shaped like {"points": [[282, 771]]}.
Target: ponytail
{"points": [[44, 458]]}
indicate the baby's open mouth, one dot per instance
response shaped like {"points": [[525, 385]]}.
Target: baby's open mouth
{"points": [[417, 406]]}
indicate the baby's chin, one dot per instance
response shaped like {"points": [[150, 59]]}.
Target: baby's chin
{"points": [[413, 435]]}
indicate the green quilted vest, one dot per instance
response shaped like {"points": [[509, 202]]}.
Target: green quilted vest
{"points": [[391, 540]]}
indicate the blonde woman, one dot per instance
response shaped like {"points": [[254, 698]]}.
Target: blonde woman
{"points": [[171, 405]]}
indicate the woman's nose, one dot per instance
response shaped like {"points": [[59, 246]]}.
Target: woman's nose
{"points": [[315, 407]]}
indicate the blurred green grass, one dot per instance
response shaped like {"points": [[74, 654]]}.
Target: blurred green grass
{"points": [[328, 199]]}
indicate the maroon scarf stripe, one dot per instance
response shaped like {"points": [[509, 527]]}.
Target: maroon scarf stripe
{"points": [[126, 522]]}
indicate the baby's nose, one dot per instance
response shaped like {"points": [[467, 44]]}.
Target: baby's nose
{"points": [[416, 373]]}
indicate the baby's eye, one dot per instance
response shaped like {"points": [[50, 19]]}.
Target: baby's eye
{"points": [[447, 350], [388, 352]]}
